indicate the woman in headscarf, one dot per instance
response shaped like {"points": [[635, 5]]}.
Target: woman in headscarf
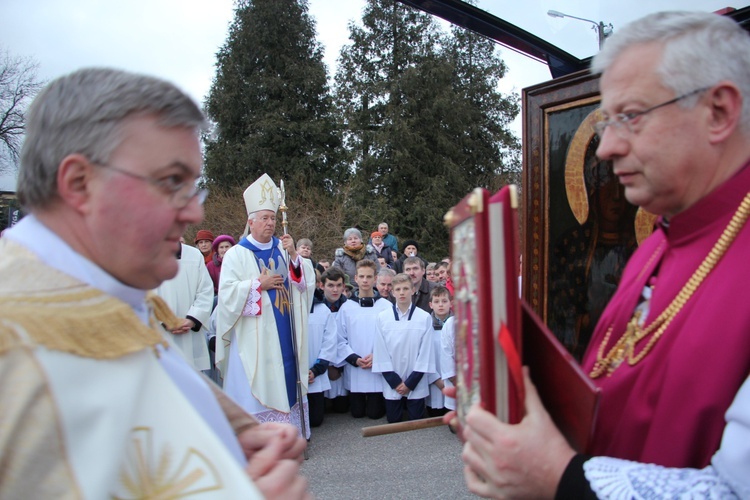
{"points": [[203, 241]]}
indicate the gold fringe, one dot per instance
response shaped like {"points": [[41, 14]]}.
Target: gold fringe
{"points": [[162, 311], [41, 306]]}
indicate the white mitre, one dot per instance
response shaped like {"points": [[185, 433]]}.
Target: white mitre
{"points": [[262, 195]]}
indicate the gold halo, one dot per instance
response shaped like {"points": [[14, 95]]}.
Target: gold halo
{"points": [[575, 182]]}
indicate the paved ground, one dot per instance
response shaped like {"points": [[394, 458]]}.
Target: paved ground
{"points": [[423, 464]]}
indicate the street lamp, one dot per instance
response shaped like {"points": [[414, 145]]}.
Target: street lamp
{"points": [[602, 30]]}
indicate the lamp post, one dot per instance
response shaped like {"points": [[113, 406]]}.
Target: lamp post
{"points": [[602, 30]]}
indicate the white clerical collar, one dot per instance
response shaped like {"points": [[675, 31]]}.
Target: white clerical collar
{"points": [[402, 314], [258, 244], [56, 253]]}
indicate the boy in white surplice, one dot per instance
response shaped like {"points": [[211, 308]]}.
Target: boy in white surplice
{"points": [[356, 327], [403, 353]]}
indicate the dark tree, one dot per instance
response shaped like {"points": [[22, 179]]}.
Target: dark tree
{"points": [[420, 133], [18, 86], [371, 92], [270, 102], [488, 143]]}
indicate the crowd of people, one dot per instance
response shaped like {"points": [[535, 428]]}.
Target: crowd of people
{"points": [[342, 326], [104, 312]]}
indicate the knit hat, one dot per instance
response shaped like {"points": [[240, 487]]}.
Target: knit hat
{"points": [[376, 234], [407, 243], [220, 239], [204, 234]]}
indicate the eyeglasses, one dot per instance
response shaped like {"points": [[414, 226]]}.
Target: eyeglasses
{"points": [[622, 123], [179, 191]]}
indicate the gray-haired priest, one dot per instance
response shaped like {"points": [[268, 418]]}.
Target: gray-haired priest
{"points": [[257, 316], [93, 402]]}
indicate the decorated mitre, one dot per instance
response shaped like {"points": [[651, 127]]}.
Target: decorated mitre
{"points": [[262, 195]]}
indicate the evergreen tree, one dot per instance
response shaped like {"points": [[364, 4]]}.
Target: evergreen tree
{"points": [[488, 142], [420, 131], [370, 88], [270, 102]]}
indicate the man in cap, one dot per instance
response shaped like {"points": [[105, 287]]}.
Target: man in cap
{"points": [[262, 311], [94, 403], [410, 249]]}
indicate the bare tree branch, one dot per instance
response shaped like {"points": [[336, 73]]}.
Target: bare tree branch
{"points": [[18, 86]]}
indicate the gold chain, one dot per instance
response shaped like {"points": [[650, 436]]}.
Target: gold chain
{"points": [[625, 346]]}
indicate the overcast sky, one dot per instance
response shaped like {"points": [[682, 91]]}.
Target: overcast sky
{"points": [[178, 39]]}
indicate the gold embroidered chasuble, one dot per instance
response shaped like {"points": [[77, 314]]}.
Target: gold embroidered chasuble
{"points": [[86, 409]]}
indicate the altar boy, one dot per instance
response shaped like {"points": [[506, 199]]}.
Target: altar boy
{"points": [[403, 353], [440, 303], [355, 324], [322, 341]]}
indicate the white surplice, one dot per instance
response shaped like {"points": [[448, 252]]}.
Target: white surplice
{"points": [[448, 357], [323, 338], [404, 345], [356, 326], [190, 293]]}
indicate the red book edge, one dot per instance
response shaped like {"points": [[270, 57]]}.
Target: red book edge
{"points": [[567, 392]]}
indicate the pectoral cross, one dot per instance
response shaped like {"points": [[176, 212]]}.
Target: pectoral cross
{"points": [[626, 344]]}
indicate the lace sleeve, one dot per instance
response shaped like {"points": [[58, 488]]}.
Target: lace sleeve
{"points": [[613, 478], [253, 304]]}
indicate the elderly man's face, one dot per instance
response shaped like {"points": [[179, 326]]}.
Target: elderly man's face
{"points": [[384, 285], [383, 228], [263, 225], [135, 228], [442, 273], [662, 163]]}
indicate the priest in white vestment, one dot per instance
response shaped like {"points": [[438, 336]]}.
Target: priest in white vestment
{"points": [[94, 403], [190, 295], [262, 315]]}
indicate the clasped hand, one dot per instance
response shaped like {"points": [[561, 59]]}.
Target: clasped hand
{"points": [[270, 281], [365, 362], [274, 453]]}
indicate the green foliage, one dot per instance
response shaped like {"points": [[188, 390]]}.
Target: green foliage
{"points": [[270, 102], [416, 122], [425, 121]]}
